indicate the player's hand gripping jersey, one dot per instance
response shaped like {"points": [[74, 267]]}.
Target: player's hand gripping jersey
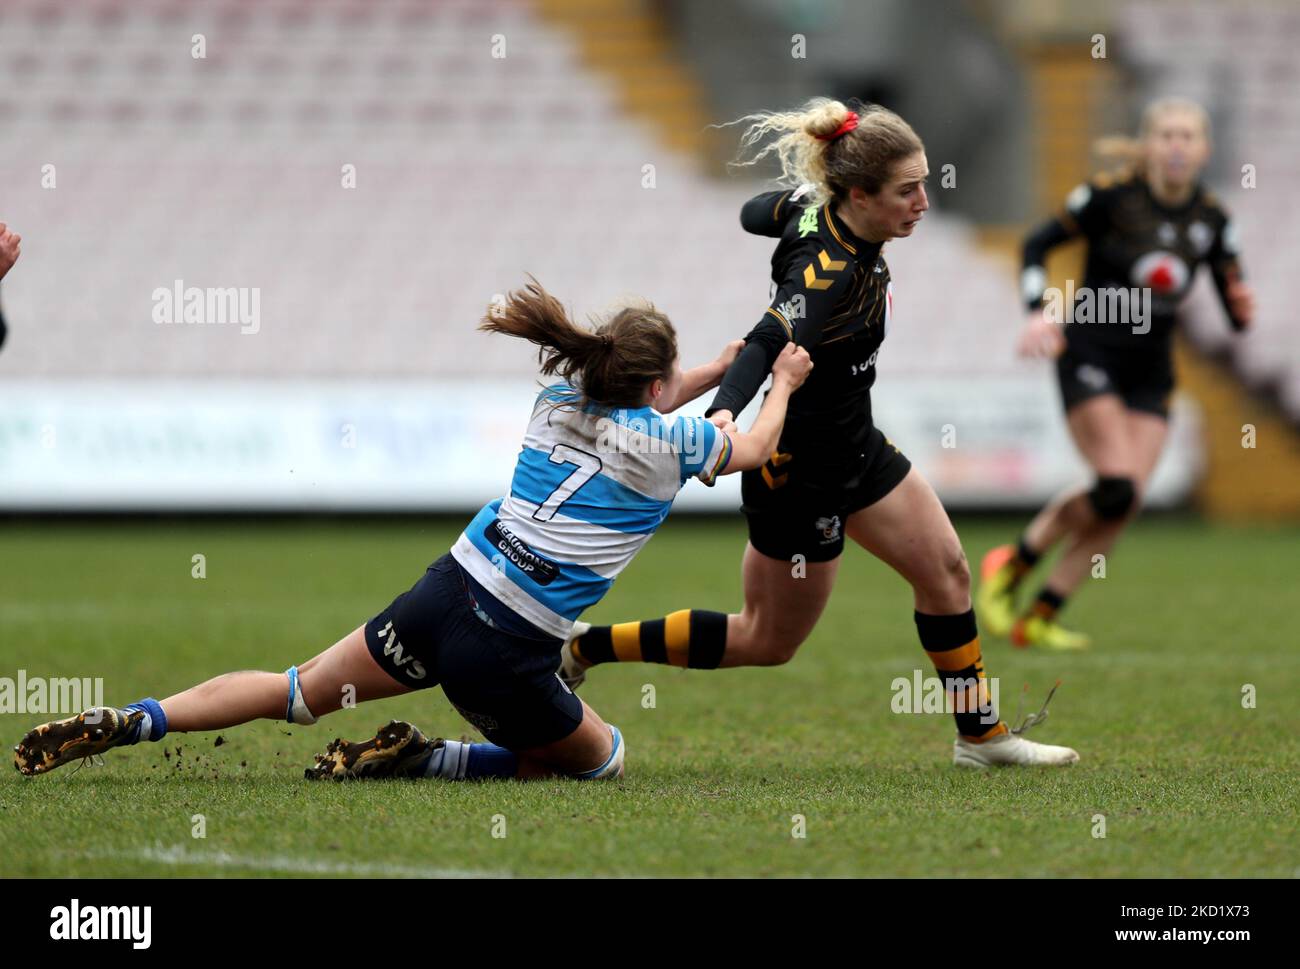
{"points": [[591, 486], [832, 296]]}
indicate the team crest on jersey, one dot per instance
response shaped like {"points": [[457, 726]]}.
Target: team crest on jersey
{"points": [[1161, 272], [808, 221], [829, 527]]}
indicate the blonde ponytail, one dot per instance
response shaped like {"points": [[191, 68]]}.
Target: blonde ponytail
{"points": [[829, 145]]}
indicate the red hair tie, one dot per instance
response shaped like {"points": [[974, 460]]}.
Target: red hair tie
{"points": [[850, 123]]}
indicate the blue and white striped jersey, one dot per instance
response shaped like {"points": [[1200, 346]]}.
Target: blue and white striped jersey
{"points": [[590, 488]]}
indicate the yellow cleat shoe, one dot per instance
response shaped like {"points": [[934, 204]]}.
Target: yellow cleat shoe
{"points": [[1047, 634], [995, 599]]}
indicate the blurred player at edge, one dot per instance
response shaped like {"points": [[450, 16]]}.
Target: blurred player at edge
{"points": [[1147, 230], [10, 249], [856, 178], [596, 476]]}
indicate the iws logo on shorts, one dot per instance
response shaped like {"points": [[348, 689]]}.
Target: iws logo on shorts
{"points": [[830, 529], [394, 649], [1091, 376]]}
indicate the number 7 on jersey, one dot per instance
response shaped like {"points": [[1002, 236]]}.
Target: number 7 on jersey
{"points": [[587, 465]]}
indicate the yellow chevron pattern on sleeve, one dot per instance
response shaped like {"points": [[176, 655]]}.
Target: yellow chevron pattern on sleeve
{"points": [[810, 277]]}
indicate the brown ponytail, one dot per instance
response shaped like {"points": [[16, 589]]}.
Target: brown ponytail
{"points": [[612, 365]]}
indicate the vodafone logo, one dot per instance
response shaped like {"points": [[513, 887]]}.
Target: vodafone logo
{"points": [[1162, 272]]}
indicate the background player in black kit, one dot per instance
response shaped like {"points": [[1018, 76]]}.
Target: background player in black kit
{"points": [[1147, 231], [861, 181]]}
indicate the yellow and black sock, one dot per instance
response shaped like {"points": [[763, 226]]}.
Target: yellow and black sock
{"points": [[953, 645], [694, 638], [1047, 604]]}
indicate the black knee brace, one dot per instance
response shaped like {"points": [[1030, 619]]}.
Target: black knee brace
{"points": [[1113, 498]]}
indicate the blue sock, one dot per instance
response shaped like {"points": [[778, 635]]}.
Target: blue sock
{"points": [[456, 761], [154, 724]]}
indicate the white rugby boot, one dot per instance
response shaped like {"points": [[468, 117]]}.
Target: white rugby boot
{"points": [[1011, 749], [573, 671]]}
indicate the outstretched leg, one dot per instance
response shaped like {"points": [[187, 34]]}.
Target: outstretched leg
{"points": [[299, 695], [345, 671], [783, 602]]}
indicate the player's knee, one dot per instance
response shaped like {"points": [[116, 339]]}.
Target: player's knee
{"points": [[779, 651], [773, 646], [957, 571], [612, 768], [1113, 497], [945, 584], [753, 641]]}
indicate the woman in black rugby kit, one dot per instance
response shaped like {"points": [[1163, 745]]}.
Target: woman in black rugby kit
{"points": [[854, 180], [1147, 230]]}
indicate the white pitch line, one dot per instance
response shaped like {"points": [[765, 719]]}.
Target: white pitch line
{"points": [[298, 866]]}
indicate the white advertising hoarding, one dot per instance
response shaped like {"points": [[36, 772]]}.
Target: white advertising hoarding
{"points": [[438, 445]]}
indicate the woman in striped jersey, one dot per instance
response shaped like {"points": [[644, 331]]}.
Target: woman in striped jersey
{"points": [[596, 476]]}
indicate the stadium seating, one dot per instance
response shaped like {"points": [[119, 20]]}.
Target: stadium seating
{"points": [[1239, 60], [471, 171]]}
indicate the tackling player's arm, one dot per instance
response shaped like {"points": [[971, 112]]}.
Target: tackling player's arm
{"points": [[700, 380], [803, 303], [750, 449], [713, 448]]}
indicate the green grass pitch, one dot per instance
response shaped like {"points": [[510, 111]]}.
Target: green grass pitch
{"points": [[1190, 782]]}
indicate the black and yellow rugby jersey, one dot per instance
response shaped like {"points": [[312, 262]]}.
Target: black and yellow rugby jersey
{"points": [[1135, 243], [831, 296]]}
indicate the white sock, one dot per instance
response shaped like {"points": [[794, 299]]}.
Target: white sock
{"points": [[449, 761]]}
